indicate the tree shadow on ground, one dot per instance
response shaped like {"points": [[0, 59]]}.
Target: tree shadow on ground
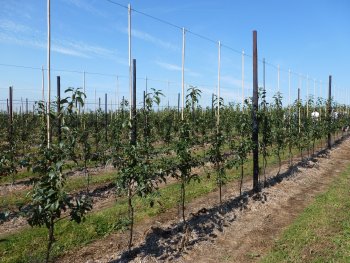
{"points": [[169, 243]]}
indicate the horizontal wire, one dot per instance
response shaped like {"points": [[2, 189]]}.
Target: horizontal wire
{"points": [[175, 26]]}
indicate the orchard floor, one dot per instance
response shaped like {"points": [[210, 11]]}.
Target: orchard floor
{"points": [[242, 229]]}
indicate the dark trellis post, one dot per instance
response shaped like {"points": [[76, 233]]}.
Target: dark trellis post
{"points": [[212, 105], [144, 100], [255, 124], [133, 105], [59, 131], [10, 114], [106, 118], [329, 139], [178, 103]]}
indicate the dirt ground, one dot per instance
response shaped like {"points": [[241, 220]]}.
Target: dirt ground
{"points": [[242, 229]]}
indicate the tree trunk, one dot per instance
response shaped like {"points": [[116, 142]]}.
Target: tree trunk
{"points": [[241, 183], [183, 201], [131, 217], [51, 240]]}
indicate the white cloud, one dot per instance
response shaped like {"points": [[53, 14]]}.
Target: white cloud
{"points": [[174, 67], [11, 26], [149, 38], [86, 6], [68, 51], [19, 34], [169, 66], [86, 49]]}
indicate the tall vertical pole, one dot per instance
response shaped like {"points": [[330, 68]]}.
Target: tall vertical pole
{"points": [[27, 106], [84, 85], [133, 115], [307, 96], [315, 97], [10, 113], [59, 109], [167, 92], [48, 72], [212, 105], [278, 78], [95, 100], [130, 62], [146, 85], [320, 88], [218, 92], [22, 104], [42, 84], [144, 100], [289, 75], [264, 76], [299, 115], [242, 79], [255, 126], [117, 100], [106, 118], [183, 73], [178, 104], [329, 139]]}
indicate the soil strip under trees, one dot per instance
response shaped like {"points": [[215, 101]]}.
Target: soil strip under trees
{"points": [[221, 233]]}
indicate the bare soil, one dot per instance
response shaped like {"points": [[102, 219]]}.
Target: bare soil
{"points": [[242, 229]]}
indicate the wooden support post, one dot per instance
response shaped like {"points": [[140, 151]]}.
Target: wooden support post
{"points": [[10, 114], [255, 127], [106, 118], [299, 115], [178, 103], [133, 105], [59, 131], [329, 137]]}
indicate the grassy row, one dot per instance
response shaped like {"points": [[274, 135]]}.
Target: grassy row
{"points": [[322, 232], [20, 198], [29, 244]]}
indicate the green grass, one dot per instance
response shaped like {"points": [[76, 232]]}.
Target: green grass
{"points": [[18, 176], [20, 198], [30, 243], [322, 232]]}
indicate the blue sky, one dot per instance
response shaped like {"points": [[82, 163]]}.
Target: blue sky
{"points": [[309, 37]]}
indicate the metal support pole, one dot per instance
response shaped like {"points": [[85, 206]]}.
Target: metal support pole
{"points": [[183, 72], [130, 66], [289, 88], [278, 78], [242, 79], [218, 92], [48, 73]]}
